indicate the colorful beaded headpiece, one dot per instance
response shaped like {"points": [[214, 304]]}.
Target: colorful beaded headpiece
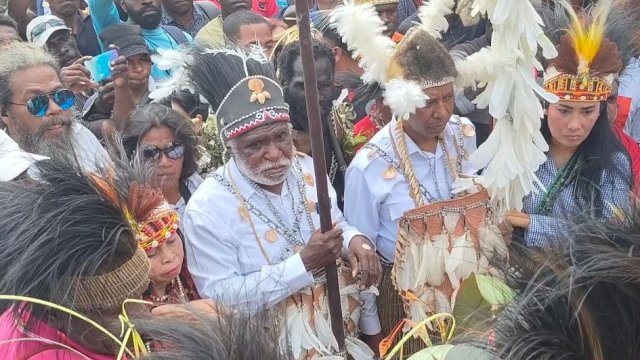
{"points": [[157, 228], [587, 62]]}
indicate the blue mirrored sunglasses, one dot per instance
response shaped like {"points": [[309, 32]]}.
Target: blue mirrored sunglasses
{"points": [[39, 104]]}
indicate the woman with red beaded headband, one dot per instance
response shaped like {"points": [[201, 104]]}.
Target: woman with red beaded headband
{"points": [[587, 168], [158, 235]]}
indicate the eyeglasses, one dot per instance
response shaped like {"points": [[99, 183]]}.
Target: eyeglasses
{"points": [[39, 104], [173, 151], [40, 28]]}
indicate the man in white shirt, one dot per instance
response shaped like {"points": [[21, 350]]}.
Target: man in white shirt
{"points": [[412, 161], [252, 228], [36, 110]]}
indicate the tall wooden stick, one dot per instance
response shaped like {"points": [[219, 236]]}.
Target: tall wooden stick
{"points": [[317, 148]]}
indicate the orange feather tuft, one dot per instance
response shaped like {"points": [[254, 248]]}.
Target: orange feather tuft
{"points": [[142, 200]]}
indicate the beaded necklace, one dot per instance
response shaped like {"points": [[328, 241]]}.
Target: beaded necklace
{"points": [[174, 283], [291, 233]]}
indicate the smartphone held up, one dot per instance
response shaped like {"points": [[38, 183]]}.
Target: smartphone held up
{"points": [[100, 66]]}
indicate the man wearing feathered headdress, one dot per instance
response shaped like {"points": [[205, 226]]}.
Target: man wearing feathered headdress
{"points": [[252, 238], [412, 163]]}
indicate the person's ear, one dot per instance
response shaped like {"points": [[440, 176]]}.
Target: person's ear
{"points": [[337, 53], [4, 116]]}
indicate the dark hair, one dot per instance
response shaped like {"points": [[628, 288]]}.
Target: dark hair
{"points": [[576, 299], [597, 153], [291, 52], [147, 117], [54, 230], [233, 22], [229, 336], [322, 22], [6, 20], [191, 102]]}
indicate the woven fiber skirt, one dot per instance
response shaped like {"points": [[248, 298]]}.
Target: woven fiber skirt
{"points": [[391, 311]]}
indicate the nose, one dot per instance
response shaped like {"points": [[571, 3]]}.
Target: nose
{"points": [[134, 66], [53, 109], [272, 153], [440, 110], [163, 160], [574, 123], [167, 256]]}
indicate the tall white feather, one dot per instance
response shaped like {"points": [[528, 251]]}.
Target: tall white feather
{"points": [[362, 30], [433, 17], [516, 148], [173, 61]]}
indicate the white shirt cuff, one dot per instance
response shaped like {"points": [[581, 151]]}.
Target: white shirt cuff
{"points": [[295, 274]]}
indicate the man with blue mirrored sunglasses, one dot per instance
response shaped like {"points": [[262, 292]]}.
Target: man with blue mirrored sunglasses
{"points": [[35, 108]]}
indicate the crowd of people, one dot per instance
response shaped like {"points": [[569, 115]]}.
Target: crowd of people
{"points": [[176, 200]]}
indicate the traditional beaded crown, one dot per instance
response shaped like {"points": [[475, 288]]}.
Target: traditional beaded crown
{"points": [[157, 228], [587, 61]]}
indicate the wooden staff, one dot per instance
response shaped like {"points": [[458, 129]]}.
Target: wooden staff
{"points": [[317, 148]]}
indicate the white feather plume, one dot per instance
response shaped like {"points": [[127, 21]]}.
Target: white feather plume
{"points": [[433, 17], [404, 97], [515, 149], [173, 61], [362, 31]]}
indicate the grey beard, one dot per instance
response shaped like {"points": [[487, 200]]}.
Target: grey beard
{"points": [[257, 174], [37, 143]]}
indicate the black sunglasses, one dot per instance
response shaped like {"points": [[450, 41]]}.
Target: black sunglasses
{"points": [[173, 151], [39, 104]]}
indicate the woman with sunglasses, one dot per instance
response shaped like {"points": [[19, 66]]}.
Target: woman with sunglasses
{"points": [[161, 135]]}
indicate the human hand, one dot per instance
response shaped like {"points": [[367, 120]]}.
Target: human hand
{"points": [[119, 70], [106, 97], [518, 219], [364, 260], [322, 249], [76, 77]]}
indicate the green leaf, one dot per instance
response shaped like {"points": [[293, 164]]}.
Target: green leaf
{"points": [[478, 300]]}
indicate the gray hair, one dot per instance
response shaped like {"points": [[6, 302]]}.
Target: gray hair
{"points": [[17, 57]]}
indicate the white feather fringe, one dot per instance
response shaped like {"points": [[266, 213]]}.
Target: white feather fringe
{"points": [[516, 148], [362, 30], [433, 16], [404, 97]]}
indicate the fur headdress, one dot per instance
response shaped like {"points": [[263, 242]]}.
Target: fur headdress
{"points": [[418, 62]]}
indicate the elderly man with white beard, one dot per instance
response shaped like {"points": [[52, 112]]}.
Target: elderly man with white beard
{"points": [[252, 228], [35, 108]]}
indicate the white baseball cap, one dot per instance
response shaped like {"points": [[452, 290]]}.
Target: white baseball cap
{"points": [[14, 161], [41, 28]]}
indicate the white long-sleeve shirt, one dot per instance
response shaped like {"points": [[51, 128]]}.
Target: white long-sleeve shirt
{"points": [[375, 204], [224, 256]]}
